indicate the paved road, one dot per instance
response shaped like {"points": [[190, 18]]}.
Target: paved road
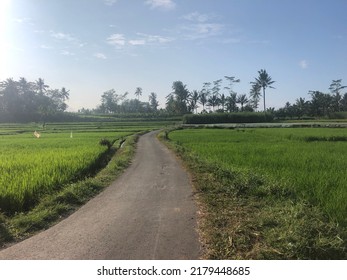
{"points": [[148, 213]]}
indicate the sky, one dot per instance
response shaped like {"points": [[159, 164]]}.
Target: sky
{"points": [[91, 46]]}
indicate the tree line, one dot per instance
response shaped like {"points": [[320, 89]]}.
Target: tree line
{"points": [[332, 104], [211, 99], [114, 103], [35, 101], [30, 101]]}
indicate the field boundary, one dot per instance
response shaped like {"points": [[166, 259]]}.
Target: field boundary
{"points": [[269, 125]]}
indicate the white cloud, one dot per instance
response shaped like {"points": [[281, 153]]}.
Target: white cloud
{"points": [[202, 30], [100, 56], [200, 26], [46, 47], [137, 42], [303, 64], [198, 17], [67, 53], [116, 40], [110, 2], [23, 20], [63, 36], [155, 38], [161, 4]]}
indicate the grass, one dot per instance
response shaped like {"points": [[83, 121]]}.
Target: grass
{"points": [[33, 167], [56, 206], [45, 179], [311, 162], [257, 199]]}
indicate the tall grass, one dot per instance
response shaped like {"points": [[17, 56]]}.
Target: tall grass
{"points": [[31, 167], [315, 170]]}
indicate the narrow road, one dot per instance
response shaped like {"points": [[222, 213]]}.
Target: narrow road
{"points": [[148, 213]]}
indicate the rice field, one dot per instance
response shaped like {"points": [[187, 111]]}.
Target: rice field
{"points": [[310, 161], [31, 167]]}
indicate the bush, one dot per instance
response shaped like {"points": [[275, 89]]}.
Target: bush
{"points": [[244, 117], [338, 115], [106, 142]]}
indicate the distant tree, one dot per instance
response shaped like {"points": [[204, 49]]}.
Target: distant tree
{"points": [[203, 99], [138, 92], [153, 101], [216, 91], [204, 95], [231, 102], [222, 100], [302, 107], [213, 101], [344, 102], [335, 88], [264, 81], [320, 104], [10, 96], [255, 95], [242, 99], [41, 87], [231, 80], [193, 100], [109, 101], [178, 99]]}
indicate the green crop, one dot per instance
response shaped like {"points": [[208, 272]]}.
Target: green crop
{"points": [[31, 167], [310, 161]]}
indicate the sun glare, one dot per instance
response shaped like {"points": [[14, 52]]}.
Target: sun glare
{"points": [[4, 22]]}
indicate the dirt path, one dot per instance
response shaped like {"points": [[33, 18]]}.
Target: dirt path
{"points": [[148, 213]]}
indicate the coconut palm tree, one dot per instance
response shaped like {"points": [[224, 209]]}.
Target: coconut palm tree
{"points": [[255, 94], [242, 99], [264, 81], [41, 86], [138, 92]]}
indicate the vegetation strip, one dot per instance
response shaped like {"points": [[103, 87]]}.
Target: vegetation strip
{"points": [[251, 215], [55, 206]]}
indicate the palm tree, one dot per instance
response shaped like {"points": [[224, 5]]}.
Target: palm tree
{"points": [[231, 102], [213, 101], [232, 81], [194, 98], [255, 94], [264, 81], [203, 99], [335, 88], [242, 99], [153, 101], [138, 92], [41, 86]]}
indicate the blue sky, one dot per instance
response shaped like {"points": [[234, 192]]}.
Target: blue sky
{"points": [[91, 46]]}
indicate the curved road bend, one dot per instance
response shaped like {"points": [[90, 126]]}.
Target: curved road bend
{"points": [[147, 213]]}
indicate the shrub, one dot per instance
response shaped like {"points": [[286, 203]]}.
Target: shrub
{"points": [[244, 117], [106, 142]]}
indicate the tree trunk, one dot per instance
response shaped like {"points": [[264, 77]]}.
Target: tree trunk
{"points": [[264, 100]]}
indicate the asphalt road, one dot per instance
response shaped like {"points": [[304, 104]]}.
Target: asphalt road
{"points": [[148, 213]]}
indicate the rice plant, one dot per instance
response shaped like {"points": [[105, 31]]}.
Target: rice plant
{"points": [[313, 169], [32, 166]]}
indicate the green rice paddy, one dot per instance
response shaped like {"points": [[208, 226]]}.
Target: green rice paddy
{"points": [[312, 162]]}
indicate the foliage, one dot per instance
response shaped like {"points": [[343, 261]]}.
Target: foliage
{"points": [[33, 167], [227, 118], [252, 210], [311, 162], [263, 81], [60, 204], [30, 101]]}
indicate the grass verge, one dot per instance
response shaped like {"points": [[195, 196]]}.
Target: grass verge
{"points": [[250, 216], [54, 207]]}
